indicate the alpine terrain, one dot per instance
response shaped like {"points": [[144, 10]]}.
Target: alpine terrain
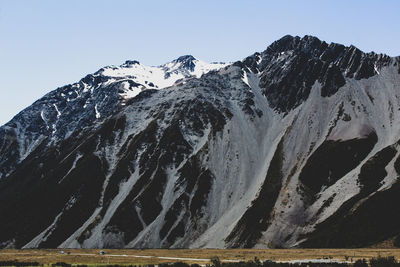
{"points": [[296, 146]]}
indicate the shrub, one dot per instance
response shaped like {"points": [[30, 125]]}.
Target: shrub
{"points": [[383, 262], [361, 263], [216, 262]]}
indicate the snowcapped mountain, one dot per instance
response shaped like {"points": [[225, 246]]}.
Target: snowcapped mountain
{"points": [[136, 77], [295, 146], [66, 110]]}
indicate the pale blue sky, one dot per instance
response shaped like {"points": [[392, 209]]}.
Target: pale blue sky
{"points": [[47, 44]]}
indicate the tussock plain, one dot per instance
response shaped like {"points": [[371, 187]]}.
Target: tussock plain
{"points": [[199, 256]]}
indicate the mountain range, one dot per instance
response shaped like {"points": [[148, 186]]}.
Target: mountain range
{"points": [[295, 146]]}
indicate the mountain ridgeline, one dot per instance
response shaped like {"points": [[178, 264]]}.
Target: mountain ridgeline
{"points": [[296, 146]]}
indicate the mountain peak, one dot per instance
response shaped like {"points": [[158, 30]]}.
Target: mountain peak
{"points": [[285, 43], [298, 62], [185, 58], [289, 42], [129, 63], [186, 61]]}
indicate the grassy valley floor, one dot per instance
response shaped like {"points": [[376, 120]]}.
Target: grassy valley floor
{"points": [[190, 256]]}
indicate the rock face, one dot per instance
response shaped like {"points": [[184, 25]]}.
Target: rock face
{"points": [[294, 146]]}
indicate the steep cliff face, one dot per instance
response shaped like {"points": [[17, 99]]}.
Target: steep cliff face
{"points": [[294, 146]]}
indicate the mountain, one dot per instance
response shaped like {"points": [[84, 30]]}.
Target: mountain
{"points": [[296, 146], [70, 108]]}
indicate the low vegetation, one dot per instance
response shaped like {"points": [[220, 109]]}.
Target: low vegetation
{"points": [[361, 257], [215, 262]]}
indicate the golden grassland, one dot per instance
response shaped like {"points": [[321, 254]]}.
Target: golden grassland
{"points": [[200, 256]]}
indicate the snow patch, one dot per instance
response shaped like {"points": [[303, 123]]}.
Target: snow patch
{"points": [[97, 112]]}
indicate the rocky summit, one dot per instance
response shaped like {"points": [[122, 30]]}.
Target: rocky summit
{"points": [[295, 146]]}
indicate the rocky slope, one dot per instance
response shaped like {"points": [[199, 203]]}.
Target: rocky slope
{"points": [[294, 146]]}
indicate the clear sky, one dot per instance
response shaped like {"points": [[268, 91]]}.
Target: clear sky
{"points": [[47, 44]]}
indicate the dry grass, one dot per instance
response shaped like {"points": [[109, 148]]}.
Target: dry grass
{"points": [[126, 256]]}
